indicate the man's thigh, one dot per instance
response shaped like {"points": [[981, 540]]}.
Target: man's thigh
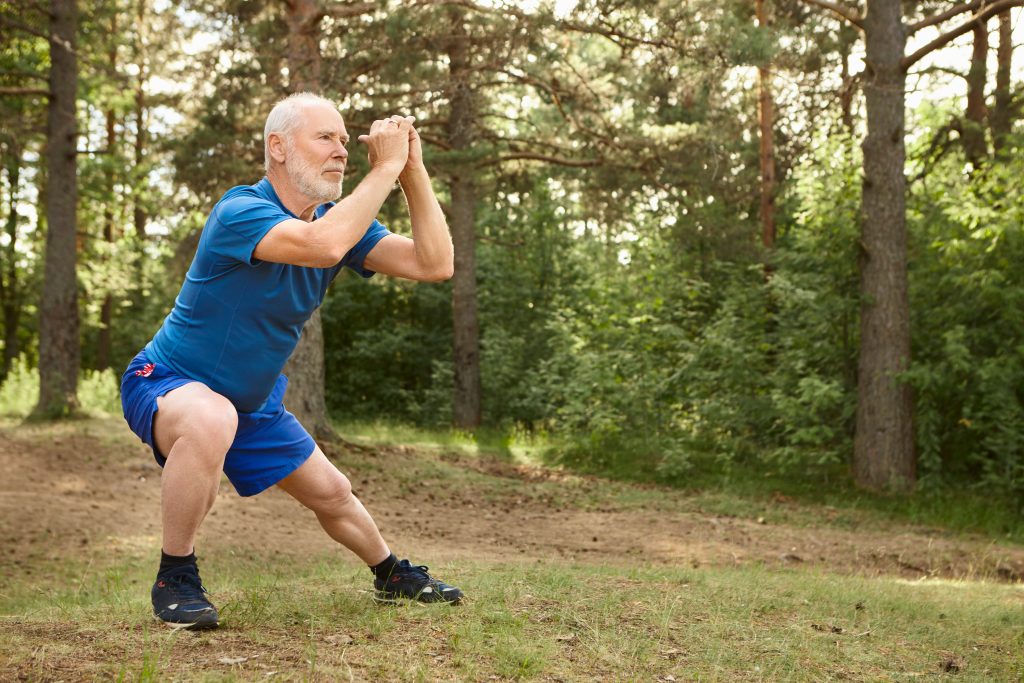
{"points": [[196, 412]]}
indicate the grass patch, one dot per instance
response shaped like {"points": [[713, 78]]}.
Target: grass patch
{"points": [[514, 446], [313, 620], [83, 613]]}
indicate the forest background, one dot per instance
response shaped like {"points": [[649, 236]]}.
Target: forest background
{"points": [[694, 237]]}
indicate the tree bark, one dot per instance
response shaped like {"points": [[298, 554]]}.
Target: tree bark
{"points": [[466, 404], [305, 396], [303, 18], [306, 379], [975, 146], [139, 209], [10, 291], [107, 307], [1001, 117], [766, 118], [59, 348], [883, 455]]}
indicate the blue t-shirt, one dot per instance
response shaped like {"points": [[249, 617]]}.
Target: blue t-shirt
{"points": [[237, 319]]}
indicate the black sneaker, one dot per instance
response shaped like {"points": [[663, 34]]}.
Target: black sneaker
{"points": [[412, 582], [179, 599]]}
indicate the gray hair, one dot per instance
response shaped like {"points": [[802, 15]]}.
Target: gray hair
{"points": [[285, 117]]}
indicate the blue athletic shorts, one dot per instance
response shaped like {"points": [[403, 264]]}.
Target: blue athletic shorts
{"points": [[269, 445]]}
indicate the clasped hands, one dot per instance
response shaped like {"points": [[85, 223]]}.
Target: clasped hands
{"points": [[393, 144]]}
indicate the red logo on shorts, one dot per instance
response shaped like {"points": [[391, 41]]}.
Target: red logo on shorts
{"points": [[146, 370]]}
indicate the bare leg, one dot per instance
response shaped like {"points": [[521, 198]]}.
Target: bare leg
{"points": [[194, 427], [319, 486]]}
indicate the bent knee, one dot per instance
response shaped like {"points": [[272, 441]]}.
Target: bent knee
{"points": [[206, 426], [211, 426], [334, 498], [216, 423]]}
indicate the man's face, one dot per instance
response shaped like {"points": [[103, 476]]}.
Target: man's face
{"points": [[315, 156]]}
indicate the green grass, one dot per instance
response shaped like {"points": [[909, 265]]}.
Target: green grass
{"points": [[313, 620], [514, 446], [86, 615], [821, 495]]}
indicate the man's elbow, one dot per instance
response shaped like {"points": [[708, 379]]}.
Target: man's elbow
{"points": [[442, 274], [326, 257], [330, 253], [322, 252]]}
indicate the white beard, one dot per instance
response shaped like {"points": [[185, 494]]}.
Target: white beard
{"points": [[309, 179]]}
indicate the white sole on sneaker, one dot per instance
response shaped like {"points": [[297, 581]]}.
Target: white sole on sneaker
{"points": [[186, 627], [388, 600]]}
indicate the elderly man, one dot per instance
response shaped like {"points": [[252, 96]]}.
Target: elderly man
{"points": [[206, 392]]}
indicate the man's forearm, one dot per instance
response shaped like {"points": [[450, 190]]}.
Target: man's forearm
{"points": [[432, 241], [348, 219]]}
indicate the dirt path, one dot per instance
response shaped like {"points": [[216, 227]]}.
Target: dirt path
{"points": [[73, 488]]}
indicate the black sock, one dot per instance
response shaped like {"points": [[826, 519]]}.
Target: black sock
{"points": [[383, 570], [169, 562]]}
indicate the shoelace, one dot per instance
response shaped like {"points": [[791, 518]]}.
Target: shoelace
{"points": [[186, 584], [422, 569], [414, 568]]}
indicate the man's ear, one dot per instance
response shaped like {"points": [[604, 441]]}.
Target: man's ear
{"points": [[277, 146]]}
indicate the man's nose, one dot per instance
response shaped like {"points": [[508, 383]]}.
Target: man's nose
{"points": [[340, 151]]}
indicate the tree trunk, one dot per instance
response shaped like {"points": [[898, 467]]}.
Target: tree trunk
{"points": [[59, 349], [139, 218], [766, 117], [12, 347], [883, 455], [1001, 117], [141, 123], [305, 369], [466, 406], [975, 147], [10, 291], [107, 307], [303, 18]]}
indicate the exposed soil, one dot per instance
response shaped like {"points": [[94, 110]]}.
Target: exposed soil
{"points": [[64, 491]]}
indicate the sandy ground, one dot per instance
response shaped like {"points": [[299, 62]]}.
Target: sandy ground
{"points": [[69, 490]]}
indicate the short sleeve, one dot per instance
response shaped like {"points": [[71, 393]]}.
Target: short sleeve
{"points": [[357, 254], [241, 222]]}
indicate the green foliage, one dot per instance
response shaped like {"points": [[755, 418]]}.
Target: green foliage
{"points": [[672, 359], [98, 391], [625, 308], [386, 342], [20, 391], [968, 297], [528, 267], [813, 292]]}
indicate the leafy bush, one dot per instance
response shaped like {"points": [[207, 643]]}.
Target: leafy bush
{"points": [[967, 298], [663, 346], [20, 391], [98, 391]]}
